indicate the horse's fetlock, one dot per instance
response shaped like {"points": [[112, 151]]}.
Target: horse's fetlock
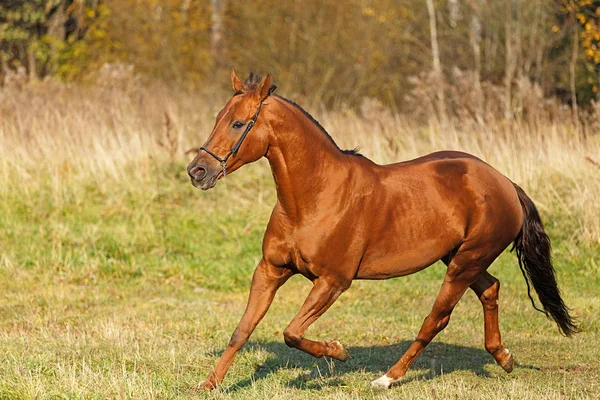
{"points": [[493, 348]]}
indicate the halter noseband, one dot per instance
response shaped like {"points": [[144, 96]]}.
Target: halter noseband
{"points": [[236, 146]]}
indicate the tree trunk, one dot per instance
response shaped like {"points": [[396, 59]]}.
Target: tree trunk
{"points": [[509, 62], [217, 40], [2, 69], [56, 29], [492, 40], [31, 64], [56, 21], [517, 102], [572, 68], [533, 37], [475, 36], [598, 85], [454, 12], [437, 65], [539, 57], [185, 8]]}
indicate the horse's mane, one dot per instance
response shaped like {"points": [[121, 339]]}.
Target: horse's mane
{"points": [[252, 82], [353, 152]]}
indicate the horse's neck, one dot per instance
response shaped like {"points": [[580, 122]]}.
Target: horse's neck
{"points": [[303, 161]]}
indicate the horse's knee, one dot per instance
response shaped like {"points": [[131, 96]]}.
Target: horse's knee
{"points": [[291, 338]]}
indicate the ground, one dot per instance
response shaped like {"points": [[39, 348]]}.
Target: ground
{"points": [[109, 293]]}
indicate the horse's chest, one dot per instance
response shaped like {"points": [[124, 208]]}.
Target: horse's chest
{"points": [[315, 254]]}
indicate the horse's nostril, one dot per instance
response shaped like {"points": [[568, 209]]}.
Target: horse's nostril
{"points": [[197, 172]]}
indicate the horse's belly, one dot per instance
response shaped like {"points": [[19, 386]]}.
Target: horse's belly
{"points": [[383, 262]]}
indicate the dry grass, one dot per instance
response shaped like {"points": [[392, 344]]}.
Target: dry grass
{"points": [[65, 136]]}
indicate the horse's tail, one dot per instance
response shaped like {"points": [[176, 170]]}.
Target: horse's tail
{"points": [[532, 246]]}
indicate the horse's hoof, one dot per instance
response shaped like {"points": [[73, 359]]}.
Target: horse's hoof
{"points": [[339, 352], [509, 364], [384, 382], [207, 385]]}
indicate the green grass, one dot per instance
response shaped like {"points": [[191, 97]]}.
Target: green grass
{"points": [[131, 289]]}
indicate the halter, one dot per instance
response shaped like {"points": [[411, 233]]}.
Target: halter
{"points": [[236, 147]]}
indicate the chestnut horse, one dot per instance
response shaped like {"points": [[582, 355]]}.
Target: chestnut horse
{"points": [[339, 216]]}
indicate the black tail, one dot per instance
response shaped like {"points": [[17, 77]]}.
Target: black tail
{"points": [[532, 247]]}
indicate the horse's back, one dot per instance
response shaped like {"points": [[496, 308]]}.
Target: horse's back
{"points": [[444, 158]]}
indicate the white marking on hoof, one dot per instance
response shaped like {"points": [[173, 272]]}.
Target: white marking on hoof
{"points": [[384, 382]]}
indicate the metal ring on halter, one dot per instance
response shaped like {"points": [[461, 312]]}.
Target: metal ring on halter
{"points": [[236, 146]]}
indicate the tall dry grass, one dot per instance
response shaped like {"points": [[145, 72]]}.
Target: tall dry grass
{"points": [[55, 139]]}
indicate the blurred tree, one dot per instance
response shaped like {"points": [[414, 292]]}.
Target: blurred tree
{"points": [[475, 38], [438, 75], [164, 39], [21, 23], [509, 58], [33, 33], [587, 13], [327, 52], [217, 40]]}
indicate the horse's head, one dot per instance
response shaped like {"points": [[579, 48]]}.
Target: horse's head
{"points": [[240, 134]]}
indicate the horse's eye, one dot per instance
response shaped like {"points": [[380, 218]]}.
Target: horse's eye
{"points": [[237, 124]]}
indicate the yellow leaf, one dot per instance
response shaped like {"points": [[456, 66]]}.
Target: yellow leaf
{"points": [[368, 11]]}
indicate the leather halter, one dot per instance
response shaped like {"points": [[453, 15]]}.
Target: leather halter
{"points": [[236, 146]]}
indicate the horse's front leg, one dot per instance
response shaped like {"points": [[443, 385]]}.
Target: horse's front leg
{"points": [[265, 282], [323, 294]]}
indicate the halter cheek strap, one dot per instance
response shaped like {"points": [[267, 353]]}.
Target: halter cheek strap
{"points": [[236, 146]]}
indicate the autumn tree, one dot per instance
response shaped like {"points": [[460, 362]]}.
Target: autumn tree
{"points": [[326, 52]]}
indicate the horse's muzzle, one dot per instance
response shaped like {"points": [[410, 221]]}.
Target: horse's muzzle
{"points": [[201, 176]]}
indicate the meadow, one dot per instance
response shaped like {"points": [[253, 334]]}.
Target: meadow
{"points": [[118, 279]]}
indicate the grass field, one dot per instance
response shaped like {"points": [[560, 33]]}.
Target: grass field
{"points": [[118, 279]]}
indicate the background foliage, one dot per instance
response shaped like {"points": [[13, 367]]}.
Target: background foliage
{"points": [[328, 51]]}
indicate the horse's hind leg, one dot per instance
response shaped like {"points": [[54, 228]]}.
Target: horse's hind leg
{"points": [[458, 278], [486, 287]]}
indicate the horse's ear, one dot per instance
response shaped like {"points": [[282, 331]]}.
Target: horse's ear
{"points": [[235, 81], [265, 85]]}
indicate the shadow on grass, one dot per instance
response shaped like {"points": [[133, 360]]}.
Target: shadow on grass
{"points": [[437, 358]]}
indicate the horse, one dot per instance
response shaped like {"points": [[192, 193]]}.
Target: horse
{"points": [[339, 216]]}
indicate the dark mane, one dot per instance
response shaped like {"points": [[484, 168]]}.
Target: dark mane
{"points": [[251, 83], [353, 152]]}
